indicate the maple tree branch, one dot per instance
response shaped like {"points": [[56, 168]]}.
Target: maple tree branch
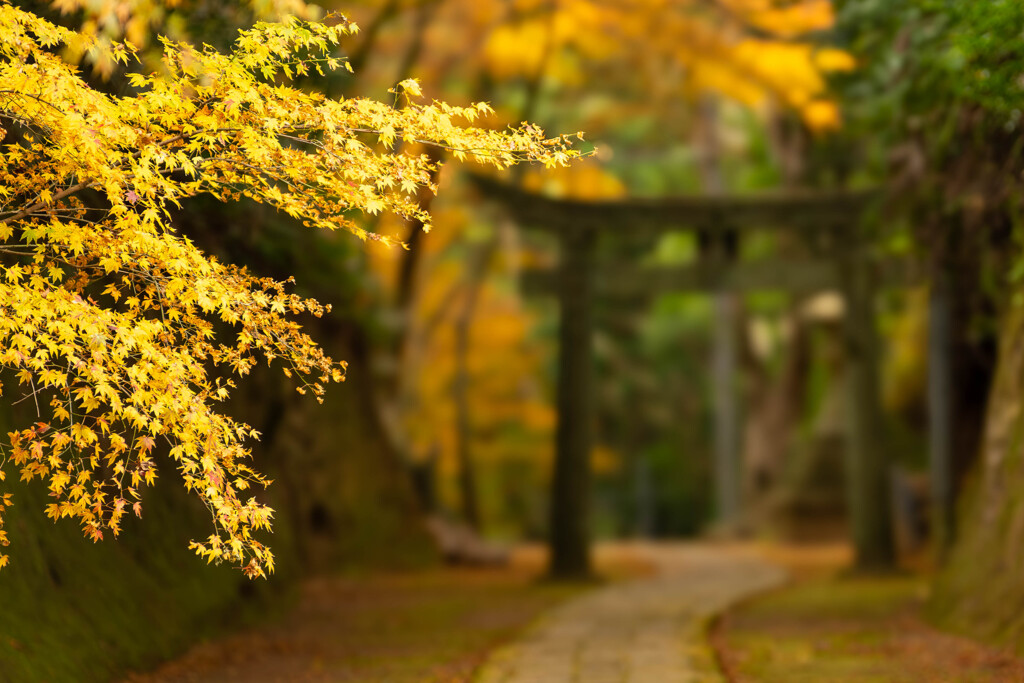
{"points": [[18, 215], [37, 98]]}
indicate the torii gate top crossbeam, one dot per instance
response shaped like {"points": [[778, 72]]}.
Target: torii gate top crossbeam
{"points": [[816, 210]]}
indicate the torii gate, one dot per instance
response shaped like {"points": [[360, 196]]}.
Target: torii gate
{"points": [[831, 220]]}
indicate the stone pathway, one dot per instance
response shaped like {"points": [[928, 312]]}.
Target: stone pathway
{"points": [[649, 630]]}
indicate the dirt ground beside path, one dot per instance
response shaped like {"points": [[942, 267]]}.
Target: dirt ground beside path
{"points": [[449, 625], [827, 627], [425, 627]]}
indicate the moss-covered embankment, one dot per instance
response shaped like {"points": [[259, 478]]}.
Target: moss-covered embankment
{"points": [[71, 610], [981, 590]]}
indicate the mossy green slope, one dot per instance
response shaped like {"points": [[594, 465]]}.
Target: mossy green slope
{"points": [[71, 610]]}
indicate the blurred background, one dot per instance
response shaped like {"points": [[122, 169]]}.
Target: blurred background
{"points": [[799, 288]]}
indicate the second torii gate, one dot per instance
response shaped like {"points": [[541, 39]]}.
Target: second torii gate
{"points": [[828, 219]]}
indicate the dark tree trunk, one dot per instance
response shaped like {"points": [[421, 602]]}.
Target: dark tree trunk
{"points": [[980, 590], [477, 270]]}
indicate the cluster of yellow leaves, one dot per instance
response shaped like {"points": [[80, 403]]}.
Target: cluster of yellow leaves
{"points": [[747, 50], [109, 319], [587, 180], [137, 21]]}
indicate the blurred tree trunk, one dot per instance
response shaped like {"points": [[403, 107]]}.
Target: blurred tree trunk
{"points": [[476, 272], [371, 33], [776, 404], [966, 253], [980, 590]]}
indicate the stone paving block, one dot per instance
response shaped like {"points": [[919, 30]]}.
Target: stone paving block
{"points": [[639, 631]]}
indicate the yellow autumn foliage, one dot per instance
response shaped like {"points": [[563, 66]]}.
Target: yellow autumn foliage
{"points": [[586, 180], [109, 317], [750, 51]]}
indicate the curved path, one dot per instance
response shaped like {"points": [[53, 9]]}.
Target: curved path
{"points": [[650, 630]]}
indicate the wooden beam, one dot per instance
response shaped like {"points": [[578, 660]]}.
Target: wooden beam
{"points": [[627, 282], [821, 210], [621, 282]]}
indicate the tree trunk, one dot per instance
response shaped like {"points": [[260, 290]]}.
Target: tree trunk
{"points": [[776, 404], [980, 590], [460, 389]]}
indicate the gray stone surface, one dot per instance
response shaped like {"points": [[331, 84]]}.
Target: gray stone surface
{"points": [[648, 630]]}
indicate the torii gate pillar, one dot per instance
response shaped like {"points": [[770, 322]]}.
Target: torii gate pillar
{"points": [[867, 468], [570, 500]]}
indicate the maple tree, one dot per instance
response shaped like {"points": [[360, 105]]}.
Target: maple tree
{"points": [[123, 334]]}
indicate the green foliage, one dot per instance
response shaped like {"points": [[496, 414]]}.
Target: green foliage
{"points": [[934, 113], [922, 62], [980, 60]]}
